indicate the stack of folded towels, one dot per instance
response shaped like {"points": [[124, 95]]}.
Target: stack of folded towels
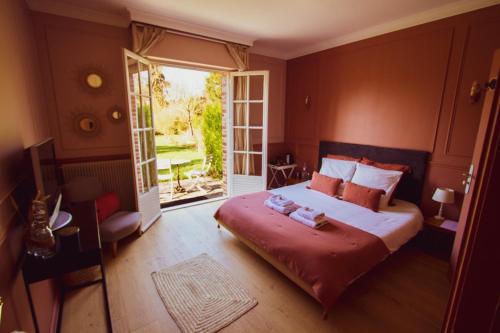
{"points": [[280, 204], [309, 217]]}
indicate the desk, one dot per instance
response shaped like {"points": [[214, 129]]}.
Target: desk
{"points": [[37, 269], [178, 163], [286, 170]]}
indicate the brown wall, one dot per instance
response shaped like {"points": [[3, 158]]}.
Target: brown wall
{"points": [[67, 47], [406, 89], [23, 123]]}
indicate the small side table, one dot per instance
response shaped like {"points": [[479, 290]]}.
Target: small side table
{"points": [[438, 236], [285, 170]]}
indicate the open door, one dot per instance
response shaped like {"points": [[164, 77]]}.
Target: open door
{"points": [[247, 131], [473, 305], [140, 114]]}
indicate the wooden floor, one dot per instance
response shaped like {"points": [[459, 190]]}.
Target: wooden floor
{"points": [[406, 293]]}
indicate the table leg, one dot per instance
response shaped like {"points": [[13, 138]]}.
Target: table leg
{"points": [[105, 294], [61, 309], [179, 187], [273, 179], [32, 307]]}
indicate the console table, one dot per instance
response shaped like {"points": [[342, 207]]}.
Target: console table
{"points": [[37, 269]]}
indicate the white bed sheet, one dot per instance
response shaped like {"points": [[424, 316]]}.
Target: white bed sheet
{"points": [[395, 225]]}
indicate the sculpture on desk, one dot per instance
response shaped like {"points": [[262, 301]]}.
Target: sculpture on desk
{"points": [[40, 241]]}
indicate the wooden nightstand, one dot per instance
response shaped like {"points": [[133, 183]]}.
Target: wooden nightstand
{"points": [[438, 236]]}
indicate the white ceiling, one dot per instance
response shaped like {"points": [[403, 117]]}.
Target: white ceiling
{"points": [[281, 28]]}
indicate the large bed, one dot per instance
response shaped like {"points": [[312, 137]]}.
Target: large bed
{"points": [[324, 262]]}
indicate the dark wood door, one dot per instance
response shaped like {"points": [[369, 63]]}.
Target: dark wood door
{"points": [[475, 291]]}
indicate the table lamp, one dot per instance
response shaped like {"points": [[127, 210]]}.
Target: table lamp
{"points": [[443, 196]]}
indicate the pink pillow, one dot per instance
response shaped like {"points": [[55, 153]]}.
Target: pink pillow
{"points": [[325, 184], [107, 204]]}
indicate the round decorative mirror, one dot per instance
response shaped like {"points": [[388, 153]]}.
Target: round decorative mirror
{"points": [[94, 80], [116, 114], [87, 124]]}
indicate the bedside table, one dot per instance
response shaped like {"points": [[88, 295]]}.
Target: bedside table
{"points": [[438, 236]]}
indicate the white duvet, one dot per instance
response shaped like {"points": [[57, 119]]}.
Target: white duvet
{"points": [[395, 225]]}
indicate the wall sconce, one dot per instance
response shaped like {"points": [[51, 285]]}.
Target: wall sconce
{"points": [[307, 102]]}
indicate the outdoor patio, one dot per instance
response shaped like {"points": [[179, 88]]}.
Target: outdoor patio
{"points": [[213, 188]]}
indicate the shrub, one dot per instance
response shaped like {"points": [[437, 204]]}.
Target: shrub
{"points": [[211, 128]]}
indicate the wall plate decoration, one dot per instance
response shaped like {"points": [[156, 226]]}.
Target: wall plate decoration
{"points": [[116, 114], [86, 124], [94, 80]]}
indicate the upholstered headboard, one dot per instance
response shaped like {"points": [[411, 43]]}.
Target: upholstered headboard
{"points": [[410, 186]]}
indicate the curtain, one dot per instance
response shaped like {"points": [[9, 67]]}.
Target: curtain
{"points": [[239, 53], [240, 87], [145, 36]]}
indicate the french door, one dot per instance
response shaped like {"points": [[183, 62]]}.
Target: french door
{"points": [[140, 111], [247, 131]]}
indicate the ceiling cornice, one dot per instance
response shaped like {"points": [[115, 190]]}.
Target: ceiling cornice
{"points": [[452, 9], [132, 14], [168, 22], [62, 8]]}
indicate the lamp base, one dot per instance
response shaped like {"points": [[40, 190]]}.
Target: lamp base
{"points": [[439, 217]]}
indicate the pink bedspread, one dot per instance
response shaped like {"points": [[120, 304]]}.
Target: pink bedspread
{"points": [[328, 259]]}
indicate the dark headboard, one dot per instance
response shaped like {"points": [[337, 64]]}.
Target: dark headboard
{"points": [[410, 186]]}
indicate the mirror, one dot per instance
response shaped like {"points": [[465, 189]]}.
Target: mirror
{"points": [[94, 80], [115, 114], [87, 124]]}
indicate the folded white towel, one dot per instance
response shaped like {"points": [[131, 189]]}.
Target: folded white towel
{"points": [[311, 214], [280, 200], [280, 209], [310, 223]]}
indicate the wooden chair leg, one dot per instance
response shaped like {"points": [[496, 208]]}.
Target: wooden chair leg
{"points": [[114, 248]]}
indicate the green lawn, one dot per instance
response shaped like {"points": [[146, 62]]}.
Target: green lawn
{"points": [[167, 150]]}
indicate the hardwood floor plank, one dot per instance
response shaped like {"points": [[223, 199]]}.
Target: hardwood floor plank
{"points": [[406, 293]]}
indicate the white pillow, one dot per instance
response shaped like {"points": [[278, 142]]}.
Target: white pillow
{"points": [[386, 180], [338, 168]]}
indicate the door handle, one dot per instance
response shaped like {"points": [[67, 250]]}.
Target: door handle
{"points": [[468, 178]]}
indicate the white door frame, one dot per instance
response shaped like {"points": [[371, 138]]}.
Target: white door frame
{"points": [[148, 201], [230, 130]]}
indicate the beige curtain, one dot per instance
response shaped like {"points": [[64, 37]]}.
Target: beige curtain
{"points": [[145, 36], [239, 53], [240, 88]]}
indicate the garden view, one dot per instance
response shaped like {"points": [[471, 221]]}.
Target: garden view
{"points": [[188, 129]]}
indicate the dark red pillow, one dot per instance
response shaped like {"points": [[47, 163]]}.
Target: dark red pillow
{"points": [[107, 204], [363, 196], [387, 166], [325, 184], [343, 157]]}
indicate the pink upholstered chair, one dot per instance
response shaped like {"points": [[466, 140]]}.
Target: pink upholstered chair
{"points": [[117, 226]]}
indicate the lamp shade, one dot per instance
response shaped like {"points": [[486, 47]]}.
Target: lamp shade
{"points": [[444, 195]]}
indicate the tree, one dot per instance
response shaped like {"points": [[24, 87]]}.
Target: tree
{"points": [[159, 85], [194, 108]]}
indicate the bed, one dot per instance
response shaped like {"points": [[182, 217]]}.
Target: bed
{"points": [[325, 262]]}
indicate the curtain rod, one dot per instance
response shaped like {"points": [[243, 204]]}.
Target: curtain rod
{"points": [[188, 34]]}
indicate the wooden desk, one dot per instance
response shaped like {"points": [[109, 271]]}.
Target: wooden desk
{"points": [[36, 269]]}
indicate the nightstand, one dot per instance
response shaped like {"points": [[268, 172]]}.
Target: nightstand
{"points": [[437, 237]]}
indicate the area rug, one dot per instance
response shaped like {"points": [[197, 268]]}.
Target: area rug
{"points": [[201, 295]]}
